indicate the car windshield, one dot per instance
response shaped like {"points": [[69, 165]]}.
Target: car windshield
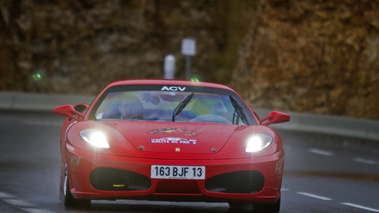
{"points": [[175, 106]]}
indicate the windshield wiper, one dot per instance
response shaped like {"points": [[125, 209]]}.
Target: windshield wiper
{"points": [[238, 112], [181, 106]]}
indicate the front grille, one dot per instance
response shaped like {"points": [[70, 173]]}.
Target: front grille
{"points": [[236, 182], [111, 179]]}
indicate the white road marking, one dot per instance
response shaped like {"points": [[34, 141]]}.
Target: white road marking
{"points": [[5, 195], [37, 210], [314, 196], [285, 190], [320, 152], [19, 203], [366, 161], [360, 207]]}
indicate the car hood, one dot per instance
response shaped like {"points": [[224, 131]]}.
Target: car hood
{"points": [[175, 137]]}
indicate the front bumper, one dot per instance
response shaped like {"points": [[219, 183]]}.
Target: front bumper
{"points": [[99, 176]]}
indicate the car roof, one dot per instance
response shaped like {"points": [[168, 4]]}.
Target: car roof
{"points": [[168, 82]]}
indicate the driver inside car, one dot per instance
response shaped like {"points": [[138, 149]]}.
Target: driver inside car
{"points": [[130, 108]]}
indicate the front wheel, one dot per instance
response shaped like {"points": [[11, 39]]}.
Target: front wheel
{"points": [[66, 196]]}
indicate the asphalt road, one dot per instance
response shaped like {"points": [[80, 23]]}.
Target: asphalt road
{"points": [[323, 173]]}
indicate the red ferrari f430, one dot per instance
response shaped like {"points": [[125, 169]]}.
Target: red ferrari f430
{"points": [[170, 140]]}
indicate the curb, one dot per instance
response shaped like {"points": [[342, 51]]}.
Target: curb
{"points": [[335, 125]]}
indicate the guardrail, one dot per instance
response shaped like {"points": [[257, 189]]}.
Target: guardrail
{"points": [[39, 102], [336, 125]]}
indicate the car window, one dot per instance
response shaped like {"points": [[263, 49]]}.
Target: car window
{"points": [[144, 105]]}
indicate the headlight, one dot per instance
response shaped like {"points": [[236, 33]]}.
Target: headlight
{"points": [[258, 142], [95, 137]]}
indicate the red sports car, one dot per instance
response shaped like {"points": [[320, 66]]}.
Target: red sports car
{"points": [[170, 140]]}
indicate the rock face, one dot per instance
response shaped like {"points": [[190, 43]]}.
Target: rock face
{"points": [[309, 56], [312, 56], [80, 46]]}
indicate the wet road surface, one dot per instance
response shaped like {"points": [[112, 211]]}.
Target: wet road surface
{"points": [[323, 173]]}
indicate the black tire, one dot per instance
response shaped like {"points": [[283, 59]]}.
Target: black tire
{"points": [[267, 208], [66, 196]]}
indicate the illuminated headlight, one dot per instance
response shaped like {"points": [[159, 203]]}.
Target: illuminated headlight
{"points": [[95, 137], [258, 142]]}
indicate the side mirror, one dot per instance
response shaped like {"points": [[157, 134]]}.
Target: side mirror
{"points": [[67, 111], [81, 107], [275, 117]]}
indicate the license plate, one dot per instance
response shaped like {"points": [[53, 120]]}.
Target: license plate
{"points": [[178, 172]]}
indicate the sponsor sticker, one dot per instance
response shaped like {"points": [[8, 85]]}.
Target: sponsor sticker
{"points": [[74, 160], [175, 131], [173, 88], [173, 140]]}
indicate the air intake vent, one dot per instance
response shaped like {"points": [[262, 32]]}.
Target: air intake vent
{"points": [[110, 179], [236, 182]]}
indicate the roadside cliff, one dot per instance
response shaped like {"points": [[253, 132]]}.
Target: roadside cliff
{"points": [[306, 56]]}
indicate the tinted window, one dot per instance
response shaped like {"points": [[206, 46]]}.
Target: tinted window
{"points": [[158, 103]]}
